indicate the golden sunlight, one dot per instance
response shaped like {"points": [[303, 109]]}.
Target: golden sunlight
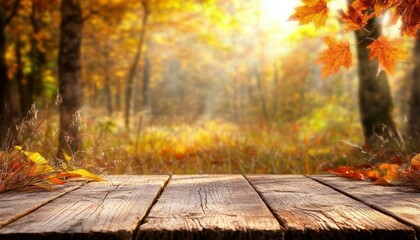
{"points": [[278, 10], [275, 15]]}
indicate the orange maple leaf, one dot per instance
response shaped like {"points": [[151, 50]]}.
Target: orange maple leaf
{"points": [[354, 18], [362, 4], [382, 5], [388, 52], [338, 54], [391, 175], [315, 11], [408, 10]]}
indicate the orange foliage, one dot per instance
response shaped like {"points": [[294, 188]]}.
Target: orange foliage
{"points": [[362, 4], [354, 18], [338, 54], [409, 11], [412, 173], [315, 11], [388, 52], [383, 173], [357, 16]]}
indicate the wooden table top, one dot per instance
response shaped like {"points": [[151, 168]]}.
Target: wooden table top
{"points": [[213, 207]]}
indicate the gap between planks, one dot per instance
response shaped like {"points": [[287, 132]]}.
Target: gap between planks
{"points": [[35, 207], [121, 203], [306, 213], [372, 205], [136, 231], [209, 207], [273, 212], [169, 179]]}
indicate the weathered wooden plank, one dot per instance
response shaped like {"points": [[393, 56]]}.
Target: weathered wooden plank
{"points": [[401, 202], [209, 207], [14, 205], [111, 209], [310, 210]]}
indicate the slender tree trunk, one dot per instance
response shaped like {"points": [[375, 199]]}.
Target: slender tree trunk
{"points": [[108, 95], [107, 89], [261, 93], [413, 129], [275, 91], [25, 101], [6, 119], [133, 68], [146, 83], [69, 66], [94, 94], [235, 96], [375, 102], [37, 57], [118, 92]]}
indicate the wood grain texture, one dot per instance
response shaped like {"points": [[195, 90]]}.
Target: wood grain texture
{"points": [[310, 210], [209, 207], [14, 205], [111, 209], [401, 202]]}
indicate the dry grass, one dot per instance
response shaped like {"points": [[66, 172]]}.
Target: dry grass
{"points": [[177, 147], [305, 146]]}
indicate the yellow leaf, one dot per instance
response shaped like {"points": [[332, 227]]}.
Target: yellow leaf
{"points": [[33, 156], [67, 157], [86, 174]]}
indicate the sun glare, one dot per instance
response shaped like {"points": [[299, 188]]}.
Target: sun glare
{"points": [[278, 10], [275, 14]]}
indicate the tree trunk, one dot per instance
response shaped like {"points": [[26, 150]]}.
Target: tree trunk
{"points": [[37, 57], [69, 75], [25, 99], [108, 94], [375, 102], [118, 93], [261, 93], [6, 119], [275, 94], [133, 68], [107, 80], [7, 112], [146, 80], [413, 129]]}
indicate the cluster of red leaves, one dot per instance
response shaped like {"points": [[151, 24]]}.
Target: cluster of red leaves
{"points": [[20, 169], [394, 173], [356, 17]]}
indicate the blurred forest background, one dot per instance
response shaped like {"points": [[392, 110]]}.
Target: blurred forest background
{"points": [[192, 86]]}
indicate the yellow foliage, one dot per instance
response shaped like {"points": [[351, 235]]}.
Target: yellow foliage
{"points": [[83, 173]]}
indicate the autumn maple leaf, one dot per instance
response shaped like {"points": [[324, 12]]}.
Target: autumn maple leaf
{"points": [[388, 51], [409, 11], [338, 54], [382, 5], [362, 4], [354, 18], [315, 11]]}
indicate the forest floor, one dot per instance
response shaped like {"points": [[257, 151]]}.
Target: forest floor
{"points": [[314, 144]]}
